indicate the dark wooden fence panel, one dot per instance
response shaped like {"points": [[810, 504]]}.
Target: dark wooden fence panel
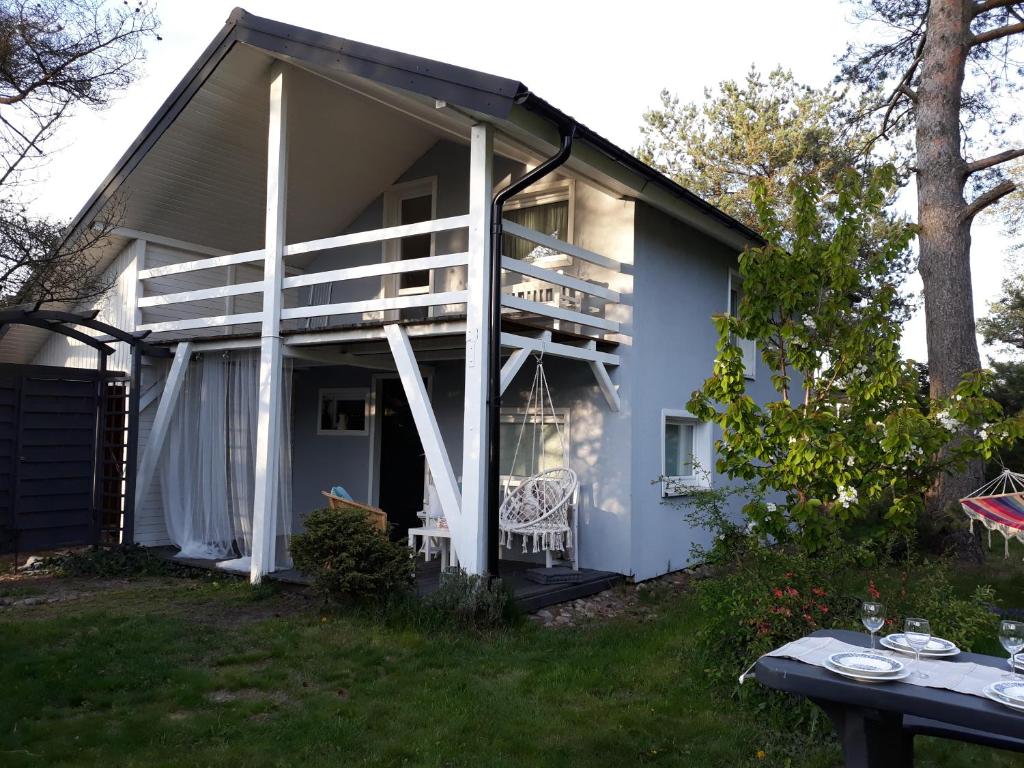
{"points": [[57, 447]]}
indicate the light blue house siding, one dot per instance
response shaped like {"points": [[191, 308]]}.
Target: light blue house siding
{"points": [[681, 280]]}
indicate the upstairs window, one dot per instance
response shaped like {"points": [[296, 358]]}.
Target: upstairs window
{"points": [[548, 210], [747, 346]]}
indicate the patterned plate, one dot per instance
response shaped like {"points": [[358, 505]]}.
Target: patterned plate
{"points": [[936, 646], [862, 678], [867, 664], [1007, 692]]}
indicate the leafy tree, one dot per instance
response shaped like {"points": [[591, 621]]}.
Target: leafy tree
{"points": [[847, 431], [1004, 327], [56, 56], [769, 130], [950, 78]]}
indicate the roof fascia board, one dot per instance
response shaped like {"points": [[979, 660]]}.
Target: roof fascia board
{"points": [[476, 90]]}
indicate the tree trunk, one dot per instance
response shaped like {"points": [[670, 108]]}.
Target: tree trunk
{"points": [[945, 234]]}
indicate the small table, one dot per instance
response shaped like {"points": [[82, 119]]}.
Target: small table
{"points": [[876, 722], [443, 536]]}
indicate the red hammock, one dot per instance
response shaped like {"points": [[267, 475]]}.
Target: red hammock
{"points": [[999, 506]]}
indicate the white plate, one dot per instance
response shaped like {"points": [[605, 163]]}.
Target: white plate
{"points": [[936, 648], [994, 692], [902, 675], [866, 664]]}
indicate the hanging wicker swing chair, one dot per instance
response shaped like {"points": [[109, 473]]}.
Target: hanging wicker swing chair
{"points": [[541, 509]]}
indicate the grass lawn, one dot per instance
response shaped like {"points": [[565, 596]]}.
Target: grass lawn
{"points": [[162, 672]]}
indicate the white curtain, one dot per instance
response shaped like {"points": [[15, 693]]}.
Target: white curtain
{"points": [[207, 464]]}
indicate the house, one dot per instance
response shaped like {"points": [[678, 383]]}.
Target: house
{"points": [[307, 223]]}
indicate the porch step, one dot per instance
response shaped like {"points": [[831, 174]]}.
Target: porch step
{"points": [[559, 574]]}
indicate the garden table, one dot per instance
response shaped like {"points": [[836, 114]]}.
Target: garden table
{"points": [[876, 722]]}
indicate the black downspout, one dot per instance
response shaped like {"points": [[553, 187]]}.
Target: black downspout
{"points": [[494, 338]]}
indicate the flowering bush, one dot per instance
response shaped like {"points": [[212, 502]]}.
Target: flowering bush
{"points": [[848, 431]]}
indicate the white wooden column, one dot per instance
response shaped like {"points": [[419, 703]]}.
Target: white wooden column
{"points": [[471, 547], [268, 421]]}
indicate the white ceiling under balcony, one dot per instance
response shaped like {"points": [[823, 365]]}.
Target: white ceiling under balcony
{"points": [[204, 180]]}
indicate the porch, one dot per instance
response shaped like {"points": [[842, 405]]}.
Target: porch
{"points": [[530, 595]]}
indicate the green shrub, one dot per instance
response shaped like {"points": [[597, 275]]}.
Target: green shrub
{"points": [[465, 601], [350, 560], [119, 561]]}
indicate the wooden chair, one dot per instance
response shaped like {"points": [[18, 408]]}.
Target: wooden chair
{"points": [[378, 517]]}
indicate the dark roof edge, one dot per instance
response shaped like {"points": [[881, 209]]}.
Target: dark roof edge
{"points": [[482, 92], [616, 153]]}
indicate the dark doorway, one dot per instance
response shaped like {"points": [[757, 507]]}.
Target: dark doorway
{"points": [[401, 460]]}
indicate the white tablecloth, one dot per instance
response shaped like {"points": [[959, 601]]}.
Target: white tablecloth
{"points": [[962, 677]]}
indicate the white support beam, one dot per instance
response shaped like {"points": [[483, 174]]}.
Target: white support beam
{"points": [[604, 381], [512, 366], [557, 313], [556, 278], [169, 242], [376, 305], [473, 552], [199, 264], [200, 294], [151, 394], [220, 321], [376, 235], [557, 350], [518, 230], [374, 270], [432, 442], [162, 420], [349, 335], [267, 470]]}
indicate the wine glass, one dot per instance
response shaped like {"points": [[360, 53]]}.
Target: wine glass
{"points": [[872, 615], [1011, 636], [917, 632]]}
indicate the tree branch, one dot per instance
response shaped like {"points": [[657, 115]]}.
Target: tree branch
{"points": [[903, 87], [983, 201], [992, 160], [991, 5], [996, 33]]}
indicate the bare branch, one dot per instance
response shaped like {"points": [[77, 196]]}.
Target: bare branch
{"points": [[996, 33], [993, 160], [983, 201], [903, 87], [991, 5]]}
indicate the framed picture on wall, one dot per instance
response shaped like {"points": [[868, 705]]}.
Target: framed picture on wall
{"points": [[343, 412]]}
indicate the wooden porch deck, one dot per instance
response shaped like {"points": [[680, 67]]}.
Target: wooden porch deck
{"points": [[529, 595]]}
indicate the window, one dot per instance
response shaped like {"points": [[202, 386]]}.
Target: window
{"points": [[747, 346], [546, 209], [414, 210], [540, 447], [685, 454], [409, 203], [343, 412]]}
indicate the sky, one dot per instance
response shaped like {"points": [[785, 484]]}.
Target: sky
{"points": [[603, 68]]}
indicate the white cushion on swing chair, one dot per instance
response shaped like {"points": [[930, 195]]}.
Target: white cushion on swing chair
{"points": [[540, 504]]}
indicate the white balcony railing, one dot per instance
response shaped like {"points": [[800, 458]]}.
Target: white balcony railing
{"points": [[533, 289]]}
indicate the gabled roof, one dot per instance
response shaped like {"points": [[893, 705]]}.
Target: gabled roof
{"points": [[475, 91]]}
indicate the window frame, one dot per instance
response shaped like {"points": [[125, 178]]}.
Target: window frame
{"points": [[343, 393], [514, 415], [546, 193], [391, 250], [747, 346], [675, 485]]}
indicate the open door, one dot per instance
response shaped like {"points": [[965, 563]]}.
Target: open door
{"points": [[401, 467]]}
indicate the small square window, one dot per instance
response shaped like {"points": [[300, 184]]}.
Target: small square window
{"points": [[343, 412], [686, 453]]}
